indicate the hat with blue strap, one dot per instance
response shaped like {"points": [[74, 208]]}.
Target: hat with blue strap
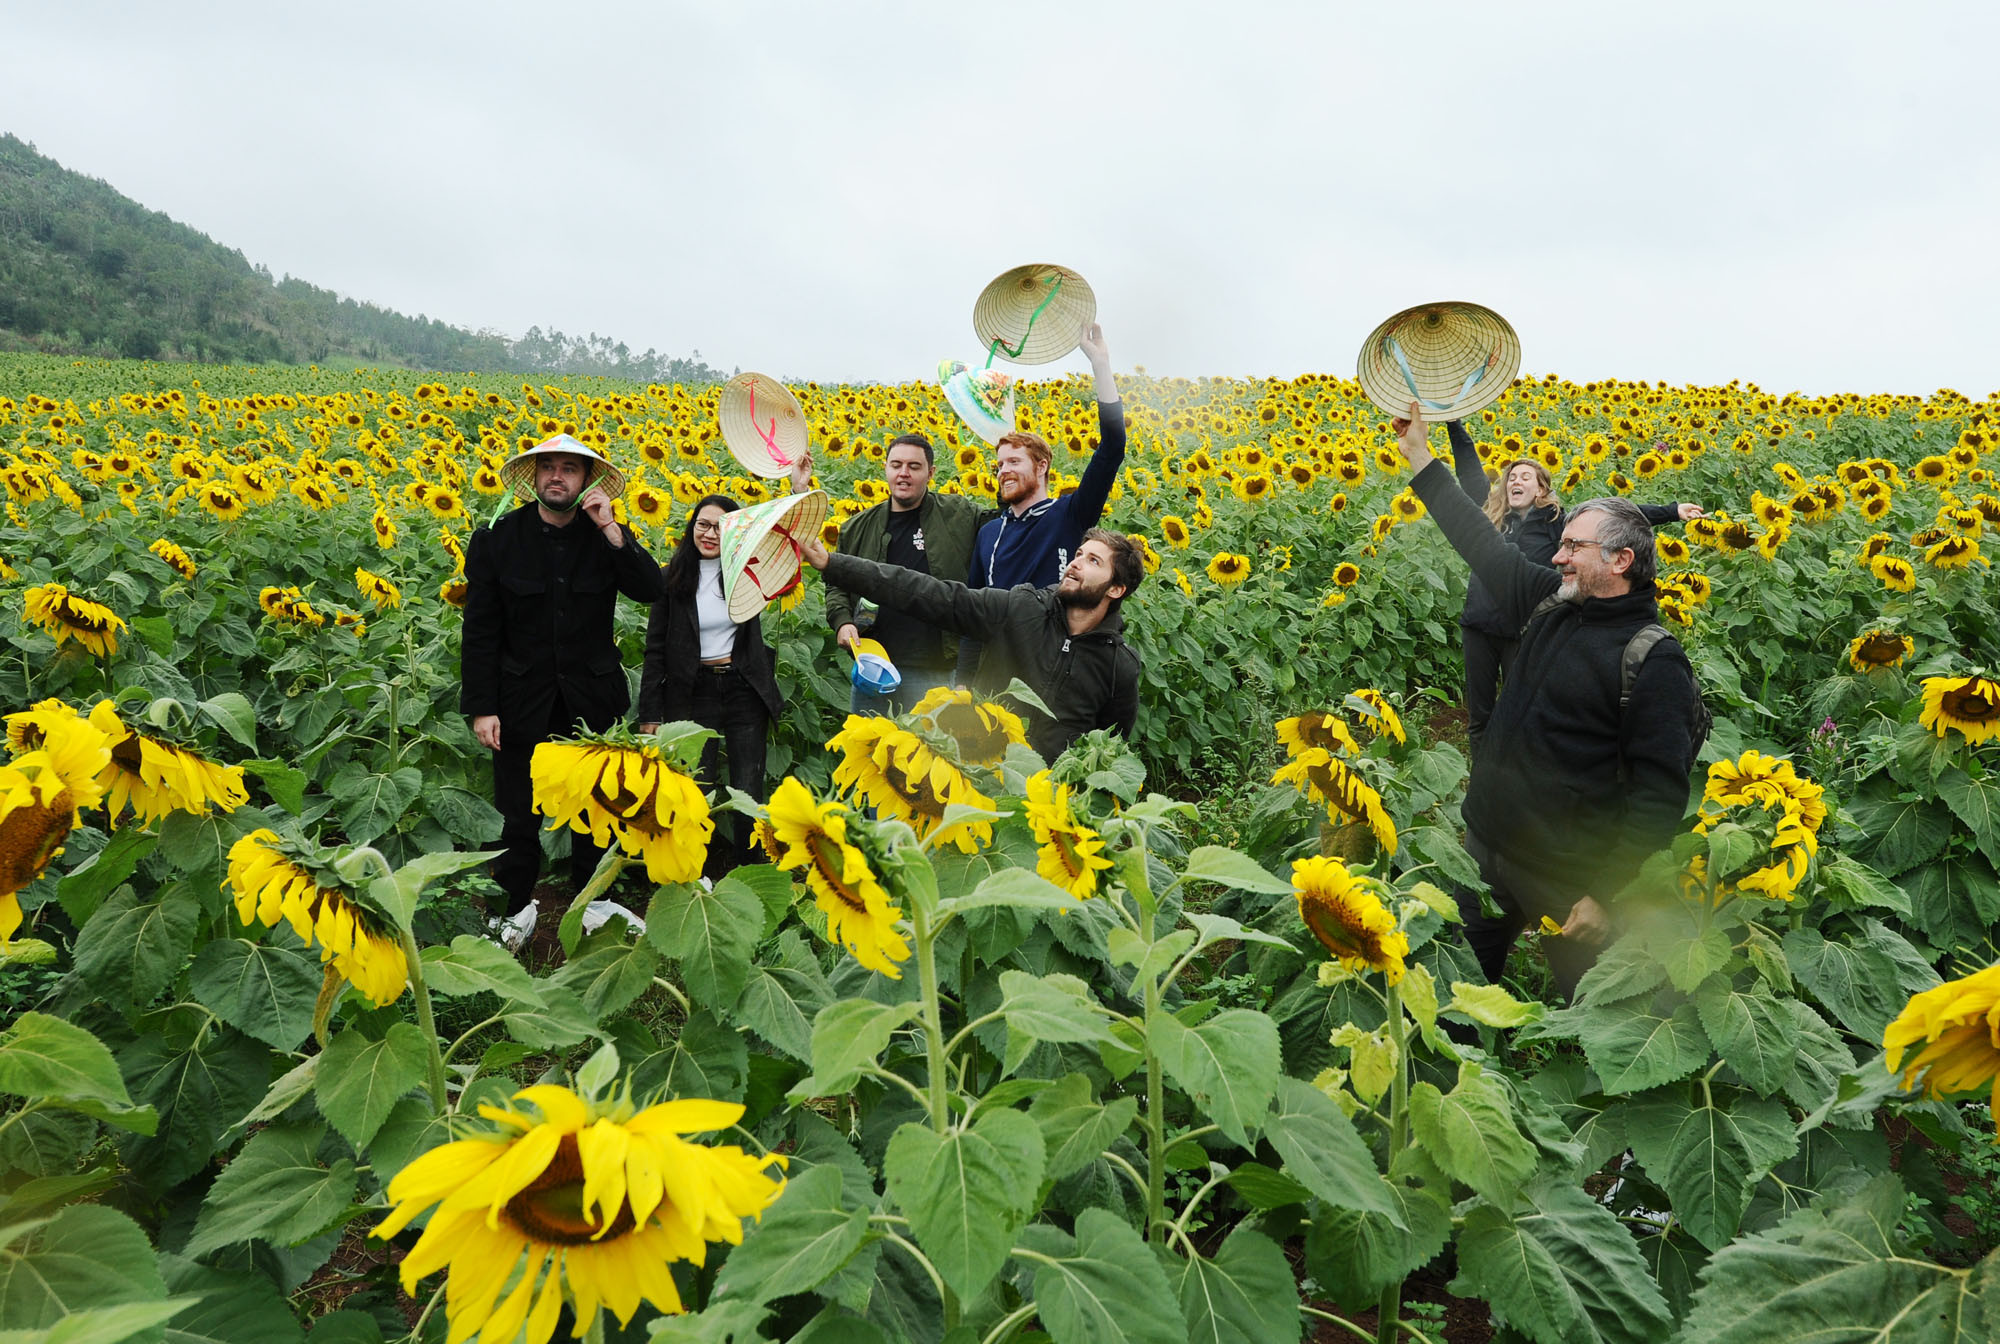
{"points": [[1450, 358]]}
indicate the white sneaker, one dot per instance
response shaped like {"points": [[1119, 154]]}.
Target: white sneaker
{"points": [[513, 930], [599, 913]]}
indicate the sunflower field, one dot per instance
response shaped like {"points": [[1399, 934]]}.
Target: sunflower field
{"points": [[1167, 1040]]}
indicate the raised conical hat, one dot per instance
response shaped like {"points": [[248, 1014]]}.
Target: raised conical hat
{"points": [[983, 398], [763, 424], [760, 556], [1037, 313], [518, 472], [1452, 358]]}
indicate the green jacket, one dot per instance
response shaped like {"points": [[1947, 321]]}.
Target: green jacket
{"points": [[1089, 680], [950, 524]]}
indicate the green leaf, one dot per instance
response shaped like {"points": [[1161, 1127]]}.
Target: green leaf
{"points": [[359, 1079], [1149, 960], [197, 1088], [711, 934], [286, 786], [235, 1307], [1694, 955], [610, 976], [1229, 1065], [1860, 884], [264, 991], [84, 887], [1014, 888], [1264, 1187], [1905, 831], [1238, 872], [1245, 1295], [1843, 1271], [1751, 1032], [398, 895], [1708, 1157], [558, 1020], [1567, 1270], [46, 1058], [731, 1322], [1493, 1005], [293, 1086], [850, 1036], [1856, 981], [371, 804], [232, 713], [1626, 970], [1470, 1133], [1355, 1255], [86, 1257], [834, 1326], [801, 1242], [706, 1059], [770, 1006], [968, 1192], [1976, 802], [274, 1190], [772, 887], [1633, 1049], [1324, 1154], [1075, 1126], [1218, 928], [1105, 1284], [131, 949], [1048, 1008], [474, 965]]}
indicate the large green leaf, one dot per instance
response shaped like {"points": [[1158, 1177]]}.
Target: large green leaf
{"points": [[705, 1059], [1905, 831], [711, 934], [1245, 1295], [1106, 1285], [263, 990], [556, 1021], [359, 1079], [84, 887], [1564, 1269], [1015, 888], [1842, 1270], [474, 965], [1976, 802], [1709, 1154], [1324, 1154], [235, 1308], [1047, 1008], [85, 1257], [1751, 1031], [968, 1192], [1229, 1064], [1627, 968], [199, 1086], [850, 1036], [1075, 1126], [779, 1004], [44, 1058], [131, 949], [1355, 1255], [128, 1323], [610, 976], [275, 1190], [802, 1241], [1470, 1133], [1237, 871], [372, 803], [1856, 981], [1634, 1048]]}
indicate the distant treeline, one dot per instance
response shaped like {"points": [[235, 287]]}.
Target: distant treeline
{"points": [[85, 270]]}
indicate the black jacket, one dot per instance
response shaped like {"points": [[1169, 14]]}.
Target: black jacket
{"points": [[1564, 787], [1089, 681], [673, 661], [1535, 533], [531, 630]]}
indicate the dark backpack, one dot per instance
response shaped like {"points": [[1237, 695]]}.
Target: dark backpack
{"points": [[1636, 649]]}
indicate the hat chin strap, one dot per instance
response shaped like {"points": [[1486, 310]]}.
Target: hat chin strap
{"points": [[570, 507]]}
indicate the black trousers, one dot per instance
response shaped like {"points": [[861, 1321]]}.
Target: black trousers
{"points": [[1522, 901], [723, 701], [1487, 660], [521, 829]]}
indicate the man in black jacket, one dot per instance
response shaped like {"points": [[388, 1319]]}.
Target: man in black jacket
{"points": [[537, 654], [1065, 642], [1570, 790]]}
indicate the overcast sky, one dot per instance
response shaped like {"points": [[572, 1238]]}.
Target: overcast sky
{"points": [[1801, 195]]}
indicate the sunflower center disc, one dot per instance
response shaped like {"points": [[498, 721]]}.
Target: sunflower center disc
{"points": [[550, 1209]]}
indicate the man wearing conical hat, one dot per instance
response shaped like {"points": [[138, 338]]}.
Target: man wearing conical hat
{"points": [[537, 655]]}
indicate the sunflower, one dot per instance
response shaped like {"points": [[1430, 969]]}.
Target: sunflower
{"points": [[378, 590], [981, 728], [68, 616], [1347, 574], [444, 502], [1380, 713], [1874, 650], [1952, 553], [1346, 913], [1175, 529], [385, 529], [42, 794], [1324, 778], [1971, 705], [1934, 470], [1228, 568], [1317, 728], [1894, 571], [1406, 507], [222, 501], [802, 833], [1768, 544], [273, 878], [176, 559], [1874, 546], [605, 789], [574, 1197], [153, 775], [1954, 1022], [900, 775], [1671, 549]]}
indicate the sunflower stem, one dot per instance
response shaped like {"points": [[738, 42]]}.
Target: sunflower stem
{"points": [[426, 1023], [934, 1048], [1391, 1309], [1156, 1125], [609, 869], [417, 1330]]}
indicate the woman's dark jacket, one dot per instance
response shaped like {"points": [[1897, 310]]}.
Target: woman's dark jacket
{"points": [[673, 661], [538, 619], [1535, 534]]}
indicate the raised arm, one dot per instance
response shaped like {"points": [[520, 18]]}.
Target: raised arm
{"points": [[1095, 488], [1665, 515], [1465, 460], [940, 602]]}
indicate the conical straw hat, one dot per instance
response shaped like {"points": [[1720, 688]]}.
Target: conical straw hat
{"points": [[1036, 314], [518, 472], [983, 398], [760, 558], [763, 424], [1451, 358]]}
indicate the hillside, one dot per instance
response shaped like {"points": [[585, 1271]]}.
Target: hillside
{"points": [[85, 270]]}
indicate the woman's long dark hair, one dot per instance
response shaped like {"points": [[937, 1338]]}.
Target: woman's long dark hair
{"points": [[685, 563]]}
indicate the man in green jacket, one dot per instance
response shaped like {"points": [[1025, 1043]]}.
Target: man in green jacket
{"points": [[915, 529], [1067, 643]]}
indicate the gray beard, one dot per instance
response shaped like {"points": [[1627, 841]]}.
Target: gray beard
{"points": [[1566, 591]]}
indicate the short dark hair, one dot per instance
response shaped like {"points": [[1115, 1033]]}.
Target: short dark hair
{"points": [[930, 454], [1128, 563], [1624, 529]]}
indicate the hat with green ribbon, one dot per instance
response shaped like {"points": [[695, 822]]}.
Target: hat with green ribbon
{"points": [[1033, 314], [1450, 358], [518, 472]]}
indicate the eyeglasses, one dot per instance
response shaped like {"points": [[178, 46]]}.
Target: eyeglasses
{"points": [[1573, 544], [703, 525]]}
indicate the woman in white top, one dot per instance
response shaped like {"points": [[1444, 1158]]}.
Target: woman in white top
{"points": [[704, 668]]}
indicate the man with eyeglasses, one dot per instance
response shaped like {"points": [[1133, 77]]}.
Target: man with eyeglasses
{"points": [[1574, 784]]}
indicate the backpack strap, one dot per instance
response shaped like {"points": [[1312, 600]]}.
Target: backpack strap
{"points": [[1543, 608], [1636, 649]]}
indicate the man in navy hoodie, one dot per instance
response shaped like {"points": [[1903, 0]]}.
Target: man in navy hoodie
{"points": [[1036, 536]]}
